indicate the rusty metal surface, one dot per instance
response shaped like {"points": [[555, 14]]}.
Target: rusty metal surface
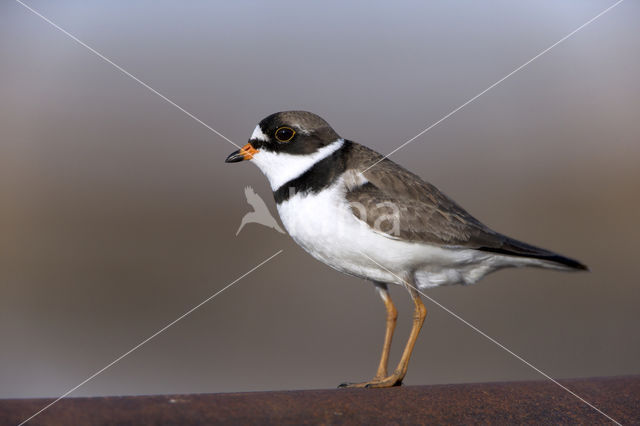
{"points": [[539, 402]]}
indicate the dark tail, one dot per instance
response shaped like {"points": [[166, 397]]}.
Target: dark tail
{"points": [[517, 248]]}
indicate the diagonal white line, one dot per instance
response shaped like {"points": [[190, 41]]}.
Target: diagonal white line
{"points": [[495, 84], [46, 407], [476, 329], [106, 59], [125, 72]]}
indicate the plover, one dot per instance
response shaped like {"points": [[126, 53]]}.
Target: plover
{"points": [[366, 216]]}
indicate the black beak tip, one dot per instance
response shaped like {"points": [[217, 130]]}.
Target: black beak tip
{"points": [[234, 157]]}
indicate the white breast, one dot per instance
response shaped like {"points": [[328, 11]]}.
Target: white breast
{"points": [[324, 226]]}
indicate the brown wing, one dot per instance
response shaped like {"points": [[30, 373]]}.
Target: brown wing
{"points": [[400, 204], [397, 202]]}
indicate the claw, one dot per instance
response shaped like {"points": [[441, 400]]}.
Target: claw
{"points": [[353, 385], [376, 382]]}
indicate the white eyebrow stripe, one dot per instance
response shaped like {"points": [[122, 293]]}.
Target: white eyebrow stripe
{"points": [[258, 134]]}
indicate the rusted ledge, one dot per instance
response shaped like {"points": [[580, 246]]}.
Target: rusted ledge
{"points": [[536, 402]]}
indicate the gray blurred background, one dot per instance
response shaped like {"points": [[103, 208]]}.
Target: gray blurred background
{"points": [[118, 214]]}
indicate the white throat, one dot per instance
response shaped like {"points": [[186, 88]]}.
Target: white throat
{"points": [[280, 168]]}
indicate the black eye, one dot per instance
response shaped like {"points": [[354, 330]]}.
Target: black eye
{"points": [[285, 134]]}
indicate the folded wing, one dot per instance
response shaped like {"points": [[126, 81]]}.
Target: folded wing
{"points": [[400, 204]]}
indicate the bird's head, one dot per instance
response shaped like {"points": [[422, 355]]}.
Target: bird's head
{"points": [[285, 144]]}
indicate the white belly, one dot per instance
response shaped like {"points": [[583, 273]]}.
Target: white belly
{"points": [[324, 226]]}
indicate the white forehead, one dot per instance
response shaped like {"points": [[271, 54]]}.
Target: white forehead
{"points": [[259, 134]]}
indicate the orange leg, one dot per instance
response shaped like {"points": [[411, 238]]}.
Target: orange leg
{"points": [[419, 314], [392, 316], [382, 380]]}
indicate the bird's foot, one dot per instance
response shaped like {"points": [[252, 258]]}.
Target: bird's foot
{"points": [[376, 382]]}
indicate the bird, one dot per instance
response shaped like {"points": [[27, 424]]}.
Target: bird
{"points": [[364, 215], [260, 213]]}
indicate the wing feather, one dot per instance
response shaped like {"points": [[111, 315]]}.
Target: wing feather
{"points": [[423, 213], [400, 204]]}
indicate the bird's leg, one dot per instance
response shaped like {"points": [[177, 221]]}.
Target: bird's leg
{"points": [[419, 314], [392, 315]]}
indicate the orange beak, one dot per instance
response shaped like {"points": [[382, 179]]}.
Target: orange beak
{"points": [[245, 153]]}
